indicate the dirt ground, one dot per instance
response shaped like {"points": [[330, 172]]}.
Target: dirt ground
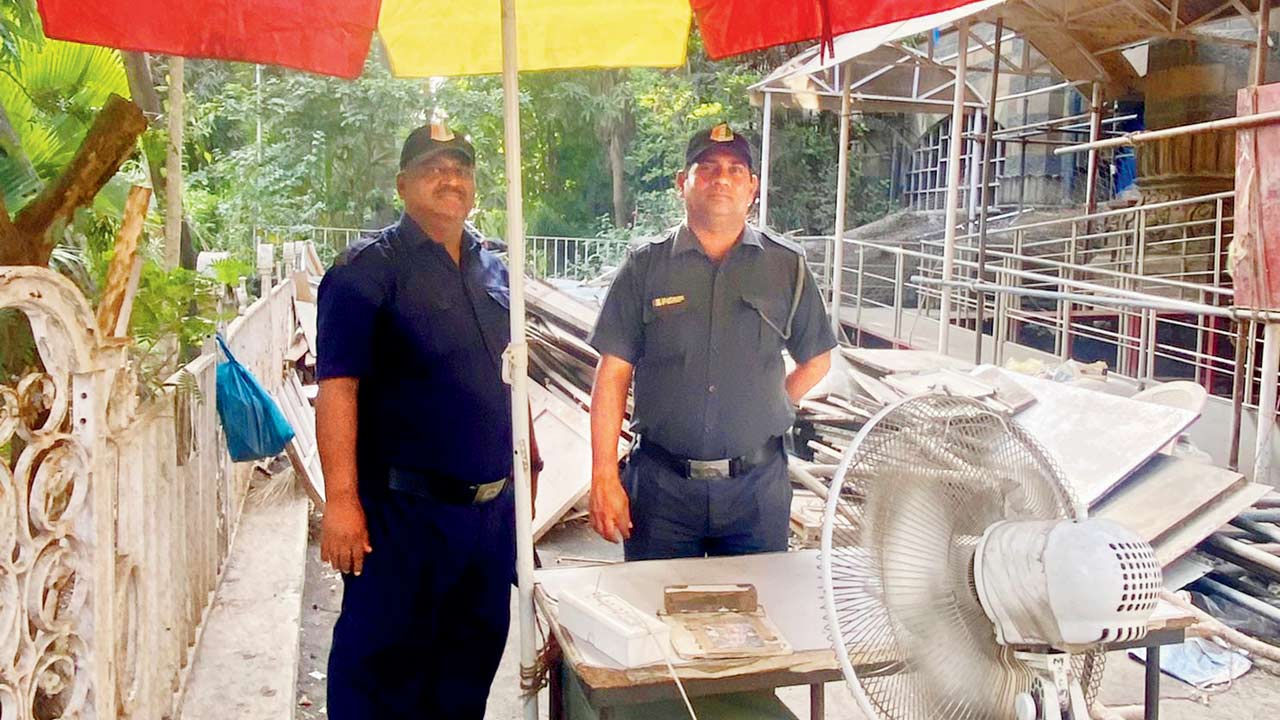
{"points": [[1255, 695]]}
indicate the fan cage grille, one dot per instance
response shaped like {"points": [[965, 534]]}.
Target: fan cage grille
{"points": [[908, 503]]}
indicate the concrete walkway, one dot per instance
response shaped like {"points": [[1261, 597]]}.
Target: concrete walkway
{"points": [[246, 662]]}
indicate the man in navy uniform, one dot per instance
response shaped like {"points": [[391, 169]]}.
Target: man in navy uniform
{"points": [[699, 319], [414, 429]]}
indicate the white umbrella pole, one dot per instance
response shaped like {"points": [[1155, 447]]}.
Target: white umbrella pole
{"points": [[518, 354], [765, 155], [842, 191], [953, 185]]}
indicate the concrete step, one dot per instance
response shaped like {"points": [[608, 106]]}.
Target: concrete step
{"points": [[246, 663]]}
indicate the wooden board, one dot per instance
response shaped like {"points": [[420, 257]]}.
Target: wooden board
{"points": [[1097, 439], [876, 389], [933, 381], [1008, 393], [888, 362], [564, 439], [1184, 536], [545, 299], [306, 314], [303, 452], [1164, 492]]}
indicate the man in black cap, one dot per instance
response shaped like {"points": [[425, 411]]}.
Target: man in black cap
{"points": [[414, 429], [699, 319]]}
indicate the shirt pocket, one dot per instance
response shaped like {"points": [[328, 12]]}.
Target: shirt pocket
{"points": [[434, 322], [666, 328], [772, 320]]}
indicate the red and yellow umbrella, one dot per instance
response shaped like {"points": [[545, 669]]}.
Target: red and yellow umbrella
{"points": [[445, 37]]}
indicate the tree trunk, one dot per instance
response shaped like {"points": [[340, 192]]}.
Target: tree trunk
{"points": [[173, 218], [143, 89], [617, 157], [109, 142]]}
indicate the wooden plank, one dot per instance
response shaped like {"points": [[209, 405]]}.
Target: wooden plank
{"points": [[564, 439], [1008, 393], [888, 362], [544, 299], [949, 382], [1183, 537], [877, 389], [1164, 492], [306, 314], [312, 481], [302, 450], [1097, 439]]}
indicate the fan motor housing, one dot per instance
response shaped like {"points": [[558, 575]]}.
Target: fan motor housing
{"points": [[1065, 584]]}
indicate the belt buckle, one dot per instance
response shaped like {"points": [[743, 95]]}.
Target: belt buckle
{"points": [[488, 491], [708, 469]]}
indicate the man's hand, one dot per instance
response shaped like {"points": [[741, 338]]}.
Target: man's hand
{"points": [[610, 507], [344, 535]]}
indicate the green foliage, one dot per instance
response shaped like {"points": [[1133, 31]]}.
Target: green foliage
{"points": [[19, 23], [173, 309], [228, 271], [51, 91], [329, 152]]}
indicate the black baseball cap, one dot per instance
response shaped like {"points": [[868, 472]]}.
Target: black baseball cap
{"points": [[433, 139], [719, 136]]}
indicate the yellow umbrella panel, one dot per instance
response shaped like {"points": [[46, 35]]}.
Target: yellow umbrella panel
{"points": [[425, 38]]}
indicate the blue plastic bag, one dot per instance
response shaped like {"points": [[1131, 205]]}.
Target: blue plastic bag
{"points": [[254, 426]]}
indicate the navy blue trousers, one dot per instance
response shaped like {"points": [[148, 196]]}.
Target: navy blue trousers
{"points": [[673, 516], [423, 627]]}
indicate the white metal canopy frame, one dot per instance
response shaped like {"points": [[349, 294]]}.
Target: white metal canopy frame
{"points": [[875, 70]]}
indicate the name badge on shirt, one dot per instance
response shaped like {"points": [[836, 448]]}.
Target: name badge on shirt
{"points": [[661, 302]]}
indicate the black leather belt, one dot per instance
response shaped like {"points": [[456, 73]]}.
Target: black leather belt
{"points": [[446, 490], [729, 467]]}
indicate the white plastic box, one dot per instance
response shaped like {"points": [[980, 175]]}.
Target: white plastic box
{"points": [[628, 635]]}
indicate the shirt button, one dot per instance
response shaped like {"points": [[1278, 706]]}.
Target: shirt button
{"points": [[711, 388]]}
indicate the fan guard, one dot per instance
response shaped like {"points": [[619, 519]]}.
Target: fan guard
{"points": [[909, 501]]}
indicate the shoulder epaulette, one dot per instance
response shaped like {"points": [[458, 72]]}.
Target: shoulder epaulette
{"points": [[781, 241], [346, 257]]}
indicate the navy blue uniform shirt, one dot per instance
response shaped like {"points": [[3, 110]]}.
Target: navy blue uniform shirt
{"points": [[425, 338], [706, 339]]}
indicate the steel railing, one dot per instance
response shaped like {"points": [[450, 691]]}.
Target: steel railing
{"points": [[1170, 250]]}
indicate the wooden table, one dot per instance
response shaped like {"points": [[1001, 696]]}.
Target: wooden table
{"points": [[789, 589]]}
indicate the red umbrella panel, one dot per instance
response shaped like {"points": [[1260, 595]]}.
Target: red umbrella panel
{"points": [[325, 36], [731, 27], [332, 36]]}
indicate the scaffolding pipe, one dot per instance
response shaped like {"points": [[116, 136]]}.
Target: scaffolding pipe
{"points": [[1041, 91], [1095, 130], [953, 185], [842, 190], [1267, 403], [765, 143], [1149, 302], [1270, 331], [988, 150], [1262, 47], [1244, 335], [1235, 123]]}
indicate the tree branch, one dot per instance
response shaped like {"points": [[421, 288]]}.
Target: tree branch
{"points": [[109, 142]]}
